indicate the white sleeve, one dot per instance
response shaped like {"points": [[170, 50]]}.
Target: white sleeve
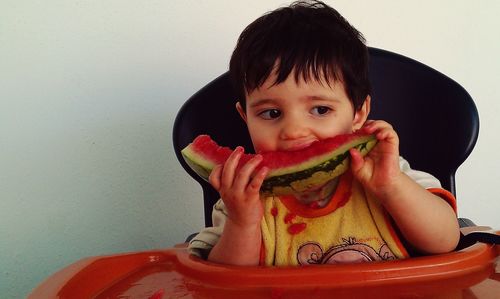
{"points": [[204, 241], [424, 179]]}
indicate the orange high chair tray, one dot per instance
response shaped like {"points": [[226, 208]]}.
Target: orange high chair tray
{"points": [[472, 272]]}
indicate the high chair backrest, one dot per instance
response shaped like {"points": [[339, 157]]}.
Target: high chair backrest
{"points": [[435, 118]]}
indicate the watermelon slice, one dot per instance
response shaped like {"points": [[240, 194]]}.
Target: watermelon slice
{"points": [[290, 172]]}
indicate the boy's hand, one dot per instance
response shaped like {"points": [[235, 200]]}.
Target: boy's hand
{"points": [[401, 196], [379, 170], [239, 190]]}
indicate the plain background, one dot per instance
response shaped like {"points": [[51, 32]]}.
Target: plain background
{"points": [[88, 95]]}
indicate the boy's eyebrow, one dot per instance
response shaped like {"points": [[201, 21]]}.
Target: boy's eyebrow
{"points": [[265, 101], [323, 98], [262, 102]]}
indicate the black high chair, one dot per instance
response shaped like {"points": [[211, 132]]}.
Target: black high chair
{"points": [[435, 118]]}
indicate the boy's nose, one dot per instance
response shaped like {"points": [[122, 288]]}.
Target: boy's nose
{"points": [[293, 130]]}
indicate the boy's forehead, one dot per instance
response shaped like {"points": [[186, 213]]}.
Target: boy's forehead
{"points": [[314, 76], [310, 81]]}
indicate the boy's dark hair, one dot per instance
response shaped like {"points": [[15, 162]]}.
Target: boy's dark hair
{"points": [[309, 38]]}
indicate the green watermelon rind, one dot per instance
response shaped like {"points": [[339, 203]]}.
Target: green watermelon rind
{"points": [[327, 168], [199, 164], [320, 159], [307, 175]]}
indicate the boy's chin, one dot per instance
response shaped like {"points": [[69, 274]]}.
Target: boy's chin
{"points": [[319, 195]]}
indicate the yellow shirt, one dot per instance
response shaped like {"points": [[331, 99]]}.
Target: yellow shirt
{"points": [[352, 227]]}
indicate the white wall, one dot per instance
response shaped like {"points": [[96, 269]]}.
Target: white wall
{"points": [[89, 91]]}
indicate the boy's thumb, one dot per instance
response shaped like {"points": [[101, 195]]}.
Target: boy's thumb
{"points": [[357, 161]]}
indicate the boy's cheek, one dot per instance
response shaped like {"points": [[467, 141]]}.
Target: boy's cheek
{"points": [[263, 143], [263, 139], [261, 147]]}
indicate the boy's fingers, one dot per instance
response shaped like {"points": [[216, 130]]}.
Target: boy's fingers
{"points": [[357, 160], [230, 166], [381, 129], [360, 168], [377, 124], [388, 134], [257, 180], [214, 177], [244, 175]]}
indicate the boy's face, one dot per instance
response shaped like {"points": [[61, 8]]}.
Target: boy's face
{"points": [[292, 115]]}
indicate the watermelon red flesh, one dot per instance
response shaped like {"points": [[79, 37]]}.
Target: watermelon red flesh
{"points": [[289, 171]]}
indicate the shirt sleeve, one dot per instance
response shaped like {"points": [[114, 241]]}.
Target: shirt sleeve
{"points": [[424, 179], [428, 182], [206, 239]]}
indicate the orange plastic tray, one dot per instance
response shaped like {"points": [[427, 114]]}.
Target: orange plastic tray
{"points": [[173, 273]]}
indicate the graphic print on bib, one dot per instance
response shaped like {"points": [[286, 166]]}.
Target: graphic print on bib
{"points": [[351, 251]]}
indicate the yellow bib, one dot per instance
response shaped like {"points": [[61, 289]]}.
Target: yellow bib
{"points": [[352, 227]]}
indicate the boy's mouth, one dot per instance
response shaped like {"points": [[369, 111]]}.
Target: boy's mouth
{"points": [[297, 145]]}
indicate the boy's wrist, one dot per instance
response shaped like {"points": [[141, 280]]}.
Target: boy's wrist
{"points": [[241, 227], [392, 189]]}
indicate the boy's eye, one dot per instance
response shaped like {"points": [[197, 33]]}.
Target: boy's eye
{"points": [[320, 110], [270, 114]]}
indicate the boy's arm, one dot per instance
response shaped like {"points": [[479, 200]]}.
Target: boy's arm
{"points": [[241, 239], [427, 221], [237, 245]]}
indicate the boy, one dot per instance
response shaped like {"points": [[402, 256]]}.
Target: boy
{"points": [[301, 73]]}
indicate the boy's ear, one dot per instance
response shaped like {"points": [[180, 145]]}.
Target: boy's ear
{"points": [[361, 115], [241, 111]]}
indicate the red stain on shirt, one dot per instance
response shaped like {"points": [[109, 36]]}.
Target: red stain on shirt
{"points": [[296, 228], [289, 217], [274, 212], [344, 199], [314, 205], [158, 294]]}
